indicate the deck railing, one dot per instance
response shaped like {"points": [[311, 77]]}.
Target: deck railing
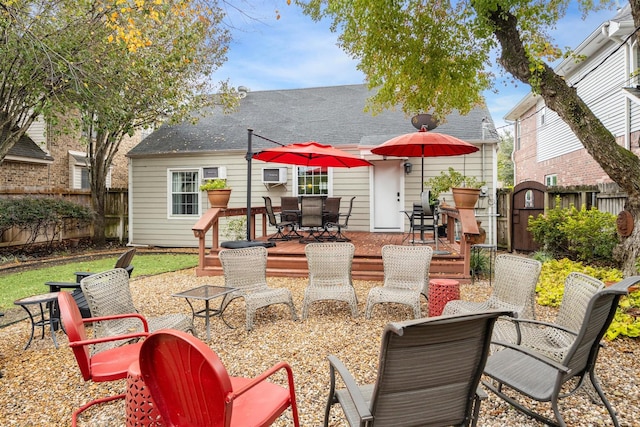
{"points": [[210, 222], [468, 227]]}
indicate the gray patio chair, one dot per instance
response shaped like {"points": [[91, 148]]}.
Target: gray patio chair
{"points": [[331, 209], [283, 228], [290, 209], [555, 341], [330, 275], [514, 290], [428, 374], [108, 293], [123, 261], [246, 270], [311, 218], [341, 222], [406, 276], [531, 373]]}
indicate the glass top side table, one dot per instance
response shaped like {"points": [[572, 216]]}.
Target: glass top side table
{"points": [[49, 299], [206, 293]]}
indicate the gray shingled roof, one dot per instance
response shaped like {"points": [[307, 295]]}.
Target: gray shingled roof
{"points": [[329, 115], [27, 148]]}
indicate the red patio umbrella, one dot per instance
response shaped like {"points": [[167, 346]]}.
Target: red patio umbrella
{"points": [[424, 144], [311, 154]]}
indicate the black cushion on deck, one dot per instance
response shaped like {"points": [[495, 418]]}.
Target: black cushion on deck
{"points": [[239, 244]]}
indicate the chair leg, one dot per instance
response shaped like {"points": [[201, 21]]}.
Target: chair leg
{"points": [[279, 235], [332, 396], [74, 417], [596, 386], [292, 308], [339, 237], [513, 402]]}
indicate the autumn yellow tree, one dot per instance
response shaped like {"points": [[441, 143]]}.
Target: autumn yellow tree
{"points": [[118, 65]]}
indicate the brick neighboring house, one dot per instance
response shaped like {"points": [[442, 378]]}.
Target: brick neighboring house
{"points": [[545, 149], [44, 161]]}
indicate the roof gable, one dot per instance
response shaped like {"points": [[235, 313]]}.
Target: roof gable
{"points": [[329, 115], [26, 149]]}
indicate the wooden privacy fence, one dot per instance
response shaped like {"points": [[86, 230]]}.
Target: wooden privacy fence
{"points": [[606, 197], [116, 216]]}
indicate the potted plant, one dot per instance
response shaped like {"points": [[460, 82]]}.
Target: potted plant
{"points": [[465, 189], [217, 191]]}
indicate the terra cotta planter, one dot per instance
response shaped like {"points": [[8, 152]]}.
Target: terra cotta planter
{"points": [[219, 198], [465, 198]]}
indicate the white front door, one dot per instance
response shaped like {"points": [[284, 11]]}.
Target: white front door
{"points": [[388, 196]]}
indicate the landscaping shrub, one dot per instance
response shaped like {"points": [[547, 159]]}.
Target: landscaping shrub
{"points": [[480, 263], [40, 217], [550, 289], [587, 235]]}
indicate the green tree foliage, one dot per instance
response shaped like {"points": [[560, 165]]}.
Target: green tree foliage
{"points": [[438, 55], [43, 46], [505, 163]]}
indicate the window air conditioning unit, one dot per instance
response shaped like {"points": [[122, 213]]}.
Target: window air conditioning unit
{"points": [[274, 175], [214, 172]]}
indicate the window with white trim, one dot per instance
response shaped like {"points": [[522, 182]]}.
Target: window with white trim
{"points": [[79, 174], [551, 180], [184, 192], [313, 180]]}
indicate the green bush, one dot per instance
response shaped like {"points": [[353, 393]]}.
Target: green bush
{"points": [[480, 263], [546, 231], [591, 234], [587, 235], [40, 217], [550, 286]]}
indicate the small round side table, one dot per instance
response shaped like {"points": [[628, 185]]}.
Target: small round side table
{"points": [[441, 291], [49, 299], [140, 408]]}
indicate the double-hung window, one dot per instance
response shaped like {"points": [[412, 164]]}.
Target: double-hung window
{"points": [[313, 180], [184, 191]]}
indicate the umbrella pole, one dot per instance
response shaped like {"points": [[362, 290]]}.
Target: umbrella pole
{"points": [[249, 155]]}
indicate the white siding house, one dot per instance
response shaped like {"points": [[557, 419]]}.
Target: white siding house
{"points": [[167, 166]]}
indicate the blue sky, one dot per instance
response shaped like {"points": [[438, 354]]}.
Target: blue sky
{"points": [[296, 52]]}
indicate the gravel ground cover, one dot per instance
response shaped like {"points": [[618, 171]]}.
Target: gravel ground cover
{"points": [[42, 385]]}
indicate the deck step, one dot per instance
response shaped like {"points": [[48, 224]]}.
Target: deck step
{"points": [[364, 268]]}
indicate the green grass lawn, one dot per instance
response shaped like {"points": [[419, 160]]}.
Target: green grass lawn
{"points": [[14, 286]]}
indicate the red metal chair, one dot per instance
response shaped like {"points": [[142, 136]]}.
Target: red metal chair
{"points": [[108, 365], [191, 386]]}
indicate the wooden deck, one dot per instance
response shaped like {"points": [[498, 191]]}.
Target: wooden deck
{"points": [[287, 258]]}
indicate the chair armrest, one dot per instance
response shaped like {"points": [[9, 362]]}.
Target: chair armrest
{"points": [[352, 387], [264, 376], [543, 323], [82, 274], [145, 325], [549, 325], [481, 394], [542, 358], [108, 339]]}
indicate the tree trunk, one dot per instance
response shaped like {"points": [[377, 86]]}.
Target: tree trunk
{"points": [[98, 198], [620, 164], [99, 169]]}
